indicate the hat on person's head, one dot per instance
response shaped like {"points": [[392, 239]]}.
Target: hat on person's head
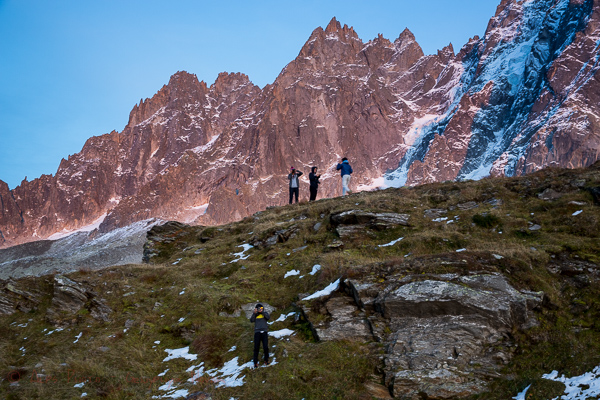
{"points": [[292, 167], [258, 305]]}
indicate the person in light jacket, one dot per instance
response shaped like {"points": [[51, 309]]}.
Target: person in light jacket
{"points": [[293, 177], [261, 332], [314, 183], [346, 169]]}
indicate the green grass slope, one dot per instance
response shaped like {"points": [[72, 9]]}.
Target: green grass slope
{"points": [[543, 230]]}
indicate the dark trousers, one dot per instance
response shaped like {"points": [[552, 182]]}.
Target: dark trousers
{"points": [[313, 193], [258, 338], [293, 191]]}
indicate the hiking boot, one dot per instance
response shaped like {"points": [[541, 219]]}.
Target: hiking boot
{"points": [[255, 365], [267, 362]]}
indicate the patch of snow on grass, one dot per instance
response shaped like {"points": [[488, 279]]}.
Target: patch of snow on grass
{"points": [[180, 353], [393, 242], [174, 394], [241, 255], [315, 269], [283, 317], [521, 396], [281, 333], [292, 273], [229, 375], [325, 292], [578, 387]]}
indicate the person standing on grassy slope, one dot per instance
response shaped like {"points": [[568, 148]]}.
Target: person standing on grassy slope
{"points": [[294, 178], [261, 332], [346, 169], [314, 183]]}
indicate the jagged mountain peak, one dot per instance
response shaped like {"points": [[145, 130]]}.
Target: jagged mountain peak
{"points": [[405, 36], [332, 45], [227, 81], [335, 26], [182, 78], [182, 86], [447, 52]]}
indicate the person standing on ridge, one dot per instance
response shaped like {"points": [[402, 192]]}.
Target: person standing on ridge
{"points": [[346, 169], [293, 177], [314, 183], [261, 332]]}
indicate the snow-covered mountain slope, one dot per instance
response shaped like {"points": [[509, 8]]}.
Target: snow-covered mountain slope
{"points": [[527, 98], [522, 97], [89, 250]]}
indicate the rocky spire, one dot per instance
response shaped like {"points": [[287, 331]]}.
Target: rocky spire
{"points": [[182, 85], [334, 26]]}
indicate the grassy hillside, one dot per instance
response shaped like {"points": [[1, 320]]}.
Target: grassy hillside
{"points": [[543, 231]]}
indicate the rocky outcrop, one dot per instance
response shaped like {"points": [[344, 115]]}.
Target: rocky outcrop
{"points": [[160, 236], [14, 296], [271, 238], [349, 223], [522, 97], [444, 336], [69, 298]]}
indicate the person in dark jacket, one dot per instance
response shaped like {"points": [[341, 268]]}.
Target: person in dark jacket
{"points": [[261, 332], [314, 183], [294, 178], [346, 169]]}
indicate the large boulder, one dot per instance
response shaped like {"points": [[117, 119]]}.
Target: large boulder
{"points": [[347, 321], [444, 335]]}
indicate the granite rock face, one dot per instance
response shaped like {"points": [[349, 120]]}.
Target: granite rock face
{"points": [[522, 97], [444, 336]]}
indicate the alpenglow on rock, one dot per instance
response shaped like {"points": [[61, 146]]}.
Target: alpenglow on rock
{"points": [[522, 97]]}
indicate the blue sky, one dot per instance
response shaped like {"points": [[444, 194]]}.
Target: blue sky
{"points": [[72, 69]]}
